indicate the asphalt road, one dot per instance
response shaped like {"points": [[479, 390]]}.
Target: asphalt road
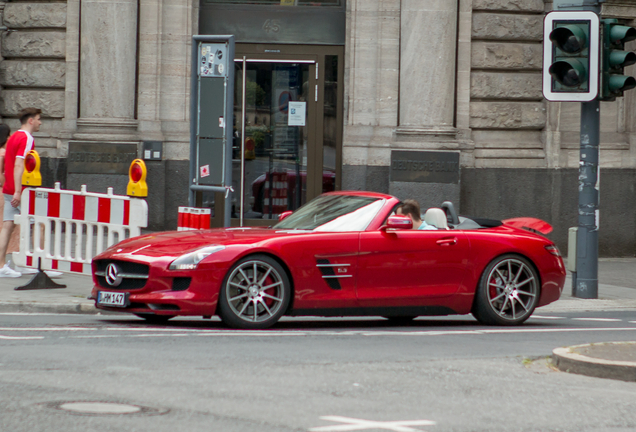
{"points": [[437, 375]]}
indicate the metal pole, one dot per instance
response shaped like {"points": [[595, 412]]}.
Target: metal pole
{"points": [[586, 285], [194, 117], [243, 113], [585, 279], [229, 131]]}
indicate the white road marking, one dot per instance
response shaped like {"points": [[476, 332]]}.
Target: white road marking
{"points": [[45, 314], [565, 330], [547, 317], [47, 329], [143, 329], [166, 332], [129, 336], [199, 332], [21, 338], [359, 333], [351, 424]]}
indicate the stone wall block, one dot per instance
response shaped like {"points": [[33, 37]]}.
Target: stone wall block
{"points": [[33, 73], [488, 85], [509, 5], [50, 44], [35, 15], [517, 56], [507, 115], [490, 26], [50, 102]]}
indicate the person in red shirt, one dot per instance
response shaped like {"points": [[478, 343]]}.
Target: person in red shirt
{"points": [[19, 144]]}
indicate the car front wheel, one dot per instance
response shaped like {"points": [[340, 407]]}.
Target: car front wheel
{"points": [[508, 291], [255, 293]]}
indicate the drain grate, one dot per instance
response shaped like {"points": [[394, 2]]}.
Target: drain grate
{"points": [[101, 408]]}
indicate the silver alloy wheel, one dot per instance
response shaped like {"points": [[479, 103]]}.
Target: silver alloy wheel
{"points": [[255, 291], [512, 289]]}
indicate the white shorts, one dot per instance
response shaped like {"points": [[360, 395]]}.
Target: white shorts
{"points": [[10, 212]]}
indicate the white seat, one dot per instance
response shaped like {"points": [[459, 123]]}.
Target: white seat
{"points": [[436, 217]]}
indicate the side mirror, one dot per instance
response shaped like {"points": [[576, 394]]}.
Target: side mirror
{"points": [[284, 215], [398, 222]]}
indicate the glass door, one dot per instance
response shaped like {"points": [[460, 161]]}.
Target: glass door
{"points": [[288, 125], [274, 136]]}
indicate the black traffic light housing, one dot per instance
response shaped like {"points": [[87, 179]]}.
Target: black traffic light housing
{"points": [[570, 68], [615, 59], [571, 56]]}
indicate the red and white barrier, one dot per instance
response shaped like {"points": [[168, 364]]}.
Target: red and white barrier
{"points": [[277, 181], [77, 226], [192, 218]]}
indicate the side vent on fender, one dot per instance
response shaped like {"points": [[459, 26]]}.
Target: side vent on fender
{"points": [[329, 274]]}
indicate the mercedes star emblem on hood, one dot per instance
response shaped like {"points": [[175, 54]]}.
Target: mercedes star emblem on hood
{"points": [[113, 277]]}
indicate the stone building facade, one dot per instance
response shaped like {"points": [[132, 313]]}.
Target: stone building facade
{"points": [[460, 76]]}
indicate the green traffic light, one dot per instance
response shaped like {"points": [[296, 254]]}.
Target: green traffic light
{"points": [[615, 59], [568, 72], [619, 83], [621, 58], [570, 39], [621, 34]]}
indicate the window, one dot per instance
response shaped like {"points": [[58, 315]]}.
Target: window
{"points": [[312, 3]]}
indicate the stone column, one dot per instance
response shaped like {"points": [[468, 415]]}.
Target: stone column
{"points": [[427, 67], [108, 67], [2, 5]]}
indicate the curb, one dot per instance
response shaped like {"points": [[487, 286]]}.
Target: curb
{"points": [[567, 360], [54, 308], [588, 305]]}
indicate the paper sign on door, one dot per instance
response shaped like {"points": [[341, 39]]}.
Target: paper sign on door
{"points": [[297, 114]]}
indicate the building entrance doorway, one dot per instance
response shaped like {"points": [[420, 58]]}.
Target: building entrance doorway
{"points": [[287, 129]]}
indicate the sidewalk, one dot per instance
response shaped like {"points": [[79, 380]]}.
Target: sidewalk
{"points": [[616, 289]]}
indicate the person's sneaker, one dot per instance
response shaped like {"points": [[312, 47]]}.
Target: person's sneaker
{"points": [[23, 270], [26, 270], [7, 271]]}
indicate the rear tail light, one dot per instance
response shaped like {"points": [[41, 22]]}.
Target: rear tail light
{"points": [[553, 250]]}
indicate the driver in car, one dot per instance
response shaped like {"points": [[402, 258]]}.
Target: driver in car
{"points": [[411, 208]]}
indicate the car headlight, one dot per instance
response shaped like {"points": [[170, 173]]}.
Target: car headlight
{"points": [[191, 260]]}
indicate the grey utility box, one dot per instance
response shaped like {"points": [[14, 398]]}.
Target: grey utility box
{"points": [[572, 232]]}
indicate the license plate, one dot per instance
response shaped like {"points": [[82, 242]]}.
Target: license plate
{"points": [[111, 299]]}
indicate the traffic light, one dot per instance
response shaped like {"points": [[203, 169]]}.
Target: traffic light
{"points": [[571, 56], [137, 185], [614, 59], [31, 176]]}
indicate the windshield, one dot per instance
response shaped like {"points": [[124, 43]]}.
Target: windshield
{"points": [[334, 213]]}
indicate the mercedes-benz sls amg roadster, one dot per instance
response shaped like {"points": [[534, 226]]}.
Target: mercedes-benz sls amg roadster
{"points": [[341, 254]]}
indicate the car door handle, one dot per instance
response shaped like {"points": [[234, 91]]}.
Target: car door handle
{"points": [[447, 241]]}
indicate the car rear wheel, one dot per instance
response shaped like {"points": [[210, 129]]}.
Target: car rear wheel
{"points": [[508, 291], [255, 293]]}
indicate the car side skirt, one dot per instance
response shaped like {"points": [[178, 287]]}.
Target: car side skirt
{"points": [[376, 311]]}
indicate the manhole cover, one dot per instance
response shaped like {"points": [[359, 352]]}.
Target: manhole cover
{"points": [[96, 408], [99, 408]]}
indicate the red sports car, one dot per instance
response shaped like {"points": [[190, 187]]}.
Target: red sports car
{"points": [[343, 253]]}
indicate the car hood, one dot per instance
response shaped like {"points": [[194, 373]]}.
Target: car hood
{"points": [[177, 243]]}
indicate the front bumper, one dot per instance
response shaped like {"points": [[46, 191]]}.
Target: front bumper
{"points": [[164, 293]]}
